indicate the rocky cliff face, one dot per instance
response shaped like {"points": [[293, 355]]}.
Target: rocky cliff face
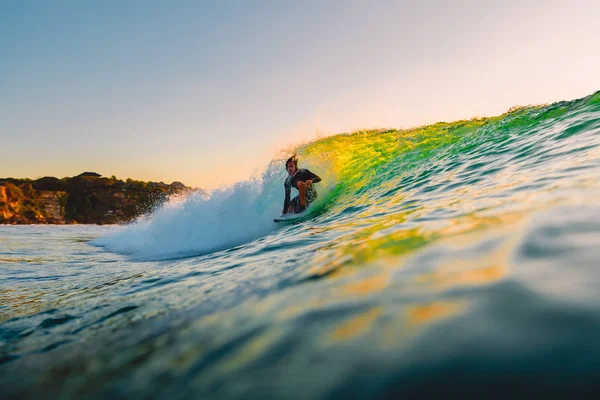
{"points": [[52, 205], [87, 198], [4, 212], [17, 205]]}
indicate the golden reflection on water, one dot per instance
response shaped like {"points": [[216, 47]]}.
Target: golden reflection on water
{"points": [[250, 351], [447, 276], [420, 314], [459, 229], [20, 303], [357, 325], [297, 309], [470, 269], [396, 327], [23, 260], [388, 244], [367, 286], [28, 301], [406, 324]]}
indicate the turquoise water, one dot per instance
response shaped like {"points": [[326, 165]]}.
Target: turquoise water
{"points": [[454, 258]]}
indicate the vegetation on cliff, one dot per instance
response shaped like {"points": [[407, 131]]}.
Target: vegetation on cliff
{"points": [[88, 198]]}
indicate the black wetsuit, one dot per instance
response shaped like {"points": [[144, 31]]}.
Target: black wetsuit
{"points": [[292, 181]]}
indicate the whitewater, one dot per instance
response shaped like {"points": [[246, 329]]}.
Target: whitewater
{"points": [[451, 258]]}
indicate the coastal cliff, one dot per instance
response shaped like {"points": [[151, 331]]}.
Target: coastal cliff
{"points": [[88, 198]]}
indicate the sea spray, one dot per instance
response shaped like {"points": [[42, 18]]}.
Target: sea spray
{"points": [[196, 224]]}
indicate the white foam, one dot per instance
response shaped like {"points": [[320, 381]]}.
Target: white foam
{"points": [[199, 223]]}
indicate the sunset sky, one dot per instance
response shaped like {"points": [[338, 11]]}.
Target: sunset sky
{"points": [[207, 92]]}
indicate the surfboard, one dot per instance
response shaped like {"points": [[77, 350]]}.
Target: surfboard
{"points": [[291, 217]]}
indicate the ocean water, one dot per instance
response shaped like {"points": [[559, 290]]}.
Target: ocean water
{"points": [[453, 259]]}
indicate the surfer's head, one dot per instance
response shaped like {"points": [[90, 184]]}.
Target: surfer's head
{"points": [[291, 165]]}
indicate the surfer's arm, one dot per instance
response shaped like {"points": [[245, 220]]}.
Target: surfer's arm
{"points": [[313, 178]]}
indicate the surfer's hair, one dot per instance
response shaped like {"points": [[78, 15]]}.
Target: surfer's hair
{"points": [[292, 159]]}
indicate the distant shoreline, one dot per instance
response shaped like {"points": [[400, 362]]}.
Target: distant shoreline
{"points": [[88, 198]]}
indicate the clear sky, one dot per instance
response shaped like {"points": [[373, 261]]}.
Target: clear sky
{"points": [[205, 92]]}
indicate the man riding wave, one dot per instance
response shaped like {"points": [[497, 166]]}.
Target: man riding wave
{"points": [[301, 179]]}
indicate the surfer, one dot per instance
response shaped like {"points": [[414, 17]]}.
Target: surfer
{"points": [[301, 179]]}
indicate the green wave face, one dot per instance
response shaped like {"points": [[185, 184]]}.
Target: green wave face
{"points": [[393, 191]]}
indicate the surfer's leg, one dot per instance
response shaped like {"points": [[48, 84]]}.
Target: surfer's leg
{"points": [[294, 205], [302, 189], [311, 194]]}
